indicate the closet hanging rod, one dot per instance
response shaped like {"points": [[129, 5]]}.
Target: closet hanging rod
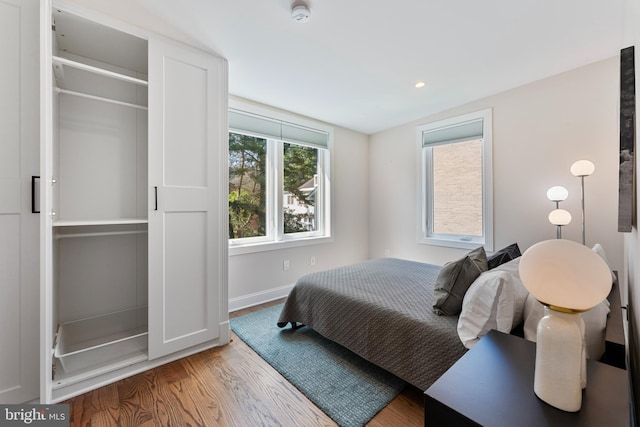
{"points": [[96, 70], [99, 234], [99, 98]]}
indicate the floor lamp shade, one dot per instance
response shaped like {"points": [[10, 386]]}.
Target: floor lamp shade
{"points": [[559, 217], [582, 168], [557, 193], [567, 278]]}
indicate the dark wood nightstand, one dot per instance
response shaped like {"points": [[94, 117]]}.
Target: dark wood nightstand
{"points": [[492, 385]]}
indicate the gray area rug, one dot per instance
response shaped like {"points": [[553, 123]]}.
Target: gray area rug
{"points": [[346, 387]]}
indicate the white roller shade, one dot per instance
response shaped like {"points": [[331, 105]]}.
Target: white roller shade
{"points": [[265, 127], [456, 133]]}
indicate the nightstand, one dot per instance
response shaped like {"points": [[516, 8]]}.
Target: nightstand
{"points": [[492, 386]]}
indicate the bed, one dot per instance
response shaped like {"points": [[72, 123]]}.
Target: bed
{"points": [[384, 310], [380, 309]]}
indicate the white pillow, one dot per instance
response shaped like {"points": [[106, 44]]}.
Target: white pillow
{"points": [[485, 306], [597, 248], [595, 322], [520, 292], [495, 300]]}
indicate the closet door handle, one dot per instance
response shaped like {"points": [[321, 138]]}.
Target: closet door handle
{"points": [[155, 190], [34, 189]]}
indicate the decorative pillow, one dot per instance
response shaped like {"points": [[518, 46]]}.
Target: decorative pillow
{"points": [[503, 255], [454, 279], [595, 322], [495, 300], [597, 248]]}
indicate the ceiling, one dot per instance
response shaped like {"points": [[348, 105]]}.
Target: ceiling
{"points": [[355, 62]]}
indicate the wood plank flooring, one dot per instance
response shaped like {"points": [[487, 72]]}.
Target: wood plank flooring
{"points": [[225, 386]]}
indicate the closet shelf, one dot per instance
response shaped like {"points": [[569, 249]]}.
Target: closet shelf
{"points": [[99, 234], [100, 98], [90, 222], [58, 62]]}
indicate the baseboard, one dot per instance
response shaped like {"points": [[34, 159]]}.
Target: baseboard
{"points": [[250, 300]]}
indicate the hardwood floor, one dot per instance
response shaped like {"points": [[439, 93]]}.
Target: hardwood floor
{"points": [[225, 386]]}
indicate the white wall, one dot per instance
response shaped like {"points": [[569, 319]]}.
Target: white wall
{"points": [[258, 277], [539, 130]]}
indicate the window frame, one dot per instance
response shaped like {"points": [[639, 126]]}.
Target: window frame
{"points": [[425, 185], [275, 237]]}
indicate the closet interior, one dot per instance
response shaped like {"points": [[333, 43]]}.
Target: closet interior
{"points": [[99, 198]]}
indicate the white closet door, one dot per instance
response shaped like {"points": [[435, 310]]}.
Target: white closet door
{"points": [[19, 230], [187, 255]]}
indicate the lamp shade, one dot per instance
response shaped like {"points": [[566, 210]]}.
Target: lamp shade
{"points": [[559, 217], [557, 193], [582, 168], [565, 274]]}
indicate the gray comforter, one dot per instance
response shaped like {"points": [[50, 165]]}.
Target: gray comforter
{"points": [[382, 310]]}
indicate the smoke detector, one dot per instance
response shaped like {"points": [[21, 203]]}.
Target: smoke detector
{"points": [[300, 13]]}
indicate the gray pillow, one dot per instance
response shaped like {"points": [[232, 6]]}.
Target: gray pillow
{"points": [[507, 254], [454, 279]]}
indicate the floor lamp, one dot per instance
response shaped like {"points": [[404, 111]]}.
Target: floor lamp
{"points": [[582, 168], [558, 217]]}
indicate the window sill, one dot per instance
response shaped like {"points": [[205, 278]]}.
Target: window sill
{"points": [[451, 243], [273, 246]]}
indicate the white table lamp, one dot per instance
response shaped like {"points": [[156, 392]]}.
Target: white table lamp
{"points": [[568, 278]]}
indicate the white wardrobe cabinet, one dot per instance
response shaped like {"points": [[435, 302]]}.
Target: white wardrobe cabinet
{"points": [[19, 231], [134, 253]]}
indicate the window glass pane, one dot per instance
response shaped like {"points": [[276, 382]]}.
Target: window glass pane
{"points": [[300, 186], [247, 186], [457, 188]]}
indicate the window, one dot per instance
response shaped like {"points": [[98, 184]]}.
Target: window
{"points": [[278, 182], [455, 185], [247, 186], [300, 187]]}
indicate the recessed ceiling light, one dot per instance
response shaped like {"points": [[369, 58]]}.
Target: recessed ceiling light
{"points": [[420, 84]]}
